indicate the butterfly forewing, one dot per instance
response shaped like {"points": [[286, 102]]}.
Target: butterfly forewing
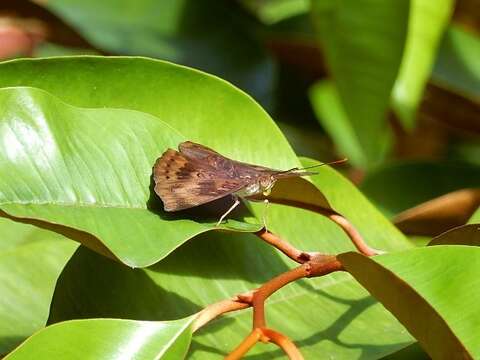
{"points": [[231, 168], [196, 151], [183, 182]]}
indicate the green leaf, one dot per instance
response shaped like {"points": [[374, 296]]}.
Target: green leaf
{"points": [[161, 89], [456, 67], [346, 199], [475, 217], [15, 234], [30, 262], [428, 288], [181, 31], [90, 170], [363, 66], [108, 339], [328, 315], [399, 186], [462, 235], [331, 114], [201, 107], [426, 26]]}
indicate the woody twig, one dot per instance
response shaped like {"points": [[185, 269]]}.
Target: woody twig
{"points": [[312, 264]]}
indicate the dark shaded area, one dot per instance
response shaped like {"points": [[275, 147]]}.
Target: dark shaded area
{"points": [[401, 186]]}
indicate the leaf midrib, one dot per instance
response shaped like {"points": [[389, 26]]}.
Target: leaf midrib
{"points": [[75, 204]]}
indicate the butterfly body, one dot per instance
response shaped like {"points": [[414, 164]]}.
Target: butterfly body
{"points": [[196, 175]]}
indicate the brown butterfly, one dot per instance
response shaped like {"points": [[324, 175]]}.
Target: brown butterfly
{"points": [[196, 175]]}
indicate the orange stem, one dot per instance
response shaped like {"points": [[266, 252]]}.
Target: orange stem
{"points": [[284, 343], [353, 234], [245, 345], [349, 229], [325, 266], [285, 247], [262, 293], [214, 310]]}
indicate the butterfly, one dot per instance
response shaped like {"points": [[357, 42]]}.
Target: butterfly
{"points": [[196, 175]]}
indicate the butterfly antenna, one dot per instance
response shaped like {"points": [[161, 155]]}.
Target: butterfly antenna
{"points": [[341, 161], [313, 166]]}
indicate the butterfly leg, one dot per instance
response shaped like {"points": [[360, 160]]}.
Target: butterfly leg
{"points": [[235, 204], [265, 214]]}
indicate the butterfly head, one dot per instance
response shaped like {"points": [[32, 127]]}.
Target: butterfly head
{"points": [[266, 183]]}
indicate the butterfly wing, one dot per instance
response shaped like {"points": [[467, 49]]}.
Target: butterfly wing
{"points": [[232, 167], [196, 151], [183, 182]]}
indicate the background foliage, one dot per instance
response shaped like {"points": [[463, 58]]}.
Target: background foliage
{"points": [[394, 86]]}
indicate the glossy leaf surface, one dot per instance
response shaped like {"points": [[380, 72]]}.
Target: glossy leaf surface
{"points": [[417, 287], [110, 339], [90, 170], [209, 106]]}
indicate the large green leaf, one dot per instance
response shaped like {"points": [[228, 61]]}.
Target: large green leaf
{"points": [[399, 186], [363, 43], [202, 107], [428, 288], [90, 170], [427, 22], [182, 31], [330, 316], [30, 262], [109, 339], [161, 89]]}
